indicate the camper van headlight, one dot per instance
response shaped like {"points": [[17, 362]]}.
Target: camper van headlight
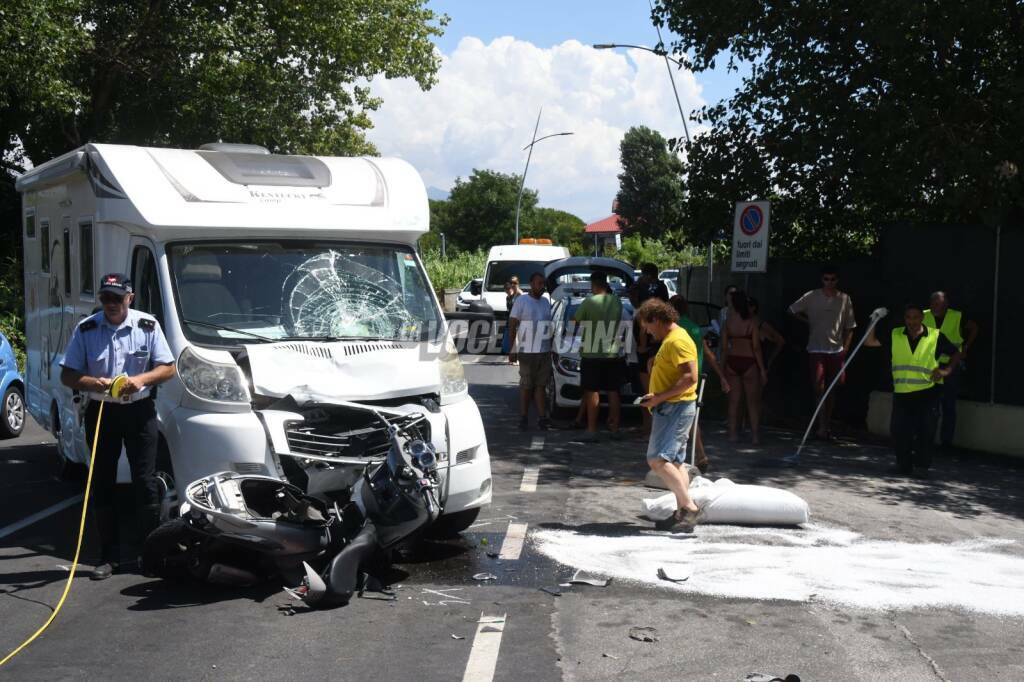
{"points": [[209, 380], [453, 377]]}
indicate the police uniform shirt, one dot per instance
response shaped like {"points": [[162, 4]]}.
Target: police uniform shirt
{"points": [[99, 349]]}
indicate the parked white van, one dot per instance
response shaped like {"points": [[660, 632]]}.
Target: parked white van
{"points": [[521, 260], [290, 293]]}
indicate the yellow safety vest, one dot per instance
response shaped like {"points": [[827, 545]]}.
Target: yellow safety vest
{"points": [[950, 327], [912, 370]]}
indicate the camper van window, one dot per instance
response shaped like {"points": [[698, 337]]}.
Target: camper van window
{"points": [[234, 292], [30, 226], [67, 259], [44, 246], [147, 287], [85, 274]]}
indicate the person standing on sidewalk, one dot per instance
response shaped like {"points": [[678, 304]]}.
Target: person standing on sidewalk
{"points": [[962, 332], [602, 369], [672, 401], [829, 314], [530, 331], [915, 353], [112, 342]]}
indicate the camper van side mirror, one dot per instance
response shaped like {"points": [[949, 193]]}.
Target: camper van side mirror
{"points": [[476, 288]]}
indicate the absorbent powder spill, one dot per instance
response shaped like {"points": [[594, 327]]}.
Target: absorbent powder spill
{"points": [[833, 565]]}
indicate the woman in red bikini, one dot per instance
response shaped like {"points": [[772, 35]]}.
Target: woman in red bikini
{"points": [[744, 366]]}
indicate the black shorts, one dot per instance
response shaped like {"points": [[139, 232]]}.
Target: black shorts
{"points": [[602, 374]]}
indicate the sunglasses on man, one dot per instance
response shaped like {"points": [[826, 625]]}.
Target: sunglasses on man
{"points": [[111, 298]]}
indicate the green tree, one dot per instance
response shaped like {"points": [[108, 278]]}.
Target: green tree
{"points": [[855, 115], [562, 227], [290, 76], [481, 210], [650, 197]]}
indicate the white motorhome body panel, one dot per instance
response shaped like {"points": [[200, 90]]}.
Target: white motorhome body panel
{"points": [[136, 197]]}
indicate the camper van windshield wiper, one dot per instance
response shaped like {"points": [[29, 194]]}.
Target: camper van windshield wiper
{"points": [[226, 328], [335, 338]]}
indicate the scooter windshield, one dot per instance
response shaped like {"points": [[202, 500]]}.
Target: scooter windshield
{"points": [[246, 292]]}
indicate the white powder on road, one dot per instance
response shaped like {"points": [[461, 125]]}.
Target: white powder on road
{"points": [[832, 565]]}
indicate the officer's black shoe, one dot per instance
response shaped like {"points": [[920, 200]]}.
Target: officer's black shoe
{"points": [[102, 571]]}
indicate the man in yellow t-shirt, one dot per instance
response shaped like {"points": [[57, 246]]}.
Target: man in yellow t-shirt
{"points": [[673, 405]]}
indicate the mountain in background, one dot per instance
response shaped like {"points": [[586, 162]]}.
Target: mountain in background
{"points": [[437, 194]]}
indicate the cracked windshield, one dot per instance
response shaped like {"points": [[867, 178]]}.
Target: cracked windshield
{"points": [[274, 291]]}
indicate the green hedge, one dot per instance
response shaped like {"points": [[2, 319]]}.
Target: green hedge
{"points": [[454, 271], [12, 306]]}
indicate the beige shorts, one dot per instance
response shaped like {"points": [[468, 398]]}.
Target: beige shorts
{"points": [[534, 370]]}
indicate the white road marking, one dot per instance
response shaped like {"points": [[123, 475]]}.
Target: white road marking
{"points": [[40, 515], [483, 656], [512, 547], [537, 443], [530, 476]]}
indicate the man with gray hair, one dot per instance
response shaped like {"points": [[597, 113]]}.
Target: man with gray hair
{"points": [[962, 332]]}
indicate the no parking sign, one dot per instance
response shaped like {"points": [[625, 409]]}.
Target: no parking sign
{"points": [[750, 237]]}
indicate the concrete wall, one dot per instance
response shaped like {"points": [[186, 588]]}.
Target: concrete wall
{"points": [[979, 426]]}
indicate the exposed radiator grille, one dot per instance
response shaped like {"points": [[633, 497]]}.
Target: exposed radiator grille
{"points": [[327, 440]]}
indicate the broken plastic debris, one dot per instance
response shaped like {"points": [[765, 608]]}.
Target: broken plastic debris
{"points": [[580, 578], [607, 655], [484, 576], [493, 555], [553, 591], [455, 636], [643, 634], [676, 578]]}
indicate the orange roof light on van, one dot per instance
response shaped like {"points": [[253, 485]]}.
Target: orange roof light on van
{"points": [[544, 241]]}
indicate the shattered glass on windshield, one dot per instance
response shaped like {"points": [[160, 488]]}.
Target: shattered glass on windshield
{"points": [[332, 295]]}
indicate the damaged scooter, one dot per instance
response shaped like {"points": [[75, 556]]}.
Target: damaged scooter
{"points": [[240, 529]]}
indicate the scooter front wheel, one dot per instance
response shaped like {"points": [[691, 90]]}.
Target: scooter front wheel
{"points": [[171, 552]]}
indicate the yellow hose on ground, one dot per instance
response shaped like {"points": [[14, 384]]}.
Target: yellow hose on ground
{"points": [[78, 545]]}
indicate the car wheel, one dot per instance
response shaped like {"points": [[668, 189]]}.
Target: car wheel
{"points": [[12, 413], [555, 411], [450, 525], [67, 470]]}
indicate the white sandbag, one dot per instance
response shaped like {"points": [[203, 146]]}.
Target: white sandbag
{"points": [[727, 502]]}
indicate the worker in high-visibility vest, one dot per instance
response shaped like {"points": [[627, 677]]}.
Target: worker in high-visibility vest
{"points": [[963, 333], [916, 371]]}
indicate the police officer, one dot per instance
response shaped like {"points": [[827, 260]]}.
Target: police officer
{"points": [[963, 333], [916, 371], [118, 340]]}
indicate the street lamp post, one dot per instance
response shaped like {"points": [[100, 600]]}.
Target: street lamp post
{"points": [[522, 181]]}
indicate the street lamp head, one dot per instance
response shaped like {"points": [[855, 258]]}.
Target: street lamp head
{"points": [[605, 46]]}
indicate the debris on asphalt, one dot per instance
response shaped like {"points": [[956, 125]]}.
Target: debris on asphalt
{"points": [[607, 655], [455, 636], [493, 555], [643, 634], [484, 576], [553, 591], [677, 578], [580, 578], [766, 677], [483, 541]]}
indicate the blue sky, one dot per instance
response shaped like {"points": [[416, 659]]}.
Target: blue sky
{"points": [[503, 61], [551, 22]]}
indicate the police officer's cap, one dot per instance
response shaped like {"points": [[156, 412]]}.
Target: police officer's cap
{"points": [[116, 283]]}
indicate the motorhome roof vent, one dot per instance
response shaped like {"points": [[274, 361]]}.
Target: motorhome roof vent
{"points": [[234, 147]]}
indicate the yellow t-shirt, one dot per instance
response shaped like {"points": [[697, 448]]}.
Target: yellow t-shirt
{"points": [[676, 348]]}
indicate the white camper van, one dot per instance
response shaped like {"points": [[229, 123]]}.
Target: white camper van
{"points": [[522, 260], [289, 289]]}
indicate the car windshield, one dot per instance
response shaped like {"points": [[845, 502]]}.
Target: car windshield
{"points": [[235, 292], [501, 271]]}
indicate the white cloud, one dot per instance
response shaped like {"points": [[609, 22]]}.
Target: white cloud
{"points": [[482, 111]]}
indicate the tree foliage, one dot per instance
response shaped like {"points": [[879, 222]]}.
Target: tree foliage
{"points": [[562, 227], [481, 210], [855, 115], [650, 197]]}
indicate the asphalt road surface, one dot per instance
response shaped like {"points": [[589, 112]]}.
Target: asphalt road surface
{"points": [[894, 579]]}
